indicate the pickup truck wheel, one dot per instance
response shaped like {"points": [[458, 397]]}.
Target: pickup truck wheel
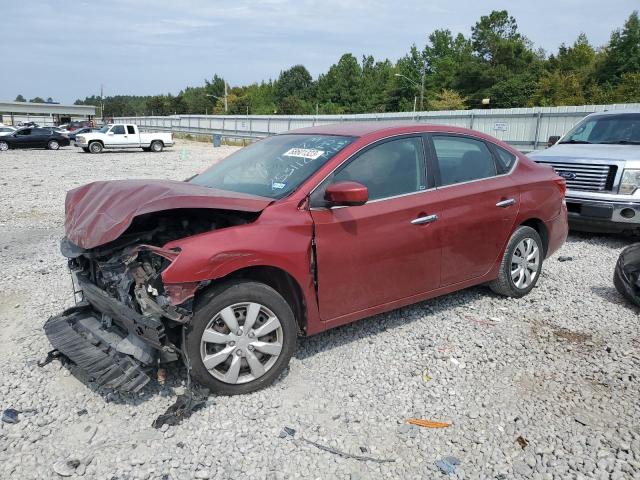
{"points": [[156, 146], [241, 337], [521, 264], [53, 145], [4, 146], [95, 147]]}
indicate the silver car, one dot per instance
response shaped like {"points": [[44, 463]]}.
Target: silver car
{"points": [[600, 160]]}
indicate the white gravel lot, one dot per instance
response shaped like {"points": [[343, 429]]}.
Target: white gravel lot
{"points": [[558, 368]]}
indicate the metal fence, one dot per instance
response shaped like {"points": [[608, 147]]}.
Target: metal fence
{"points": [[524, 128]]}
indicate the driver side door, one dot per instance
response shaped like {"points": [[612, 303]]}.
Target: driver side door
{"points": [[385, 250], [22, 138]]}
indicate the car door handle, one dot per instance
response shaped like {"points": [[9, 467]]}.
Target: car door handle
{"points": [[506, 203], [423, 220]]}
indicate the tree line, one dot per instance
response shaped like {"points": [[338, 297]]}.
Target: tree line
{"points": [[496, 62]]}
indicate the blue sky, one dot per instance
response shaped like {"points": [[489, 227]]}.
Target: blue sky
{"points": [[67, 49]]}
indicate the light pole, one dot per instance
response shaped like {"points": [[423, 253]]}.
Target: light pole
{"points": [[226, 107], [421, 86]]}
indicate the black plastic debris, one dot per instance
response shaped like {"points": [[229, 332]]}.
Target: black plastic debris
{"points": [[51, 356], [626, 277], [191, 401], [447, 465], [82, 412], [564, 259], [10, 415]]}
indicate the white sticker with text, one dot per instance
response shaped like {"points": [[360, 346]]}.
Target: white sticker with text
{"points": [[310, 153]]}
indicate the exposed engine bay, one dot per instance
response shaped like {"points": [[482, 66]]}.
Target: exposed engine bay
{"points": [[124, 311]]}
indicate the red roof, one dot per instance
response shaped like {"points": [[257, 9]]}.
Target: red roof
{"points": [[360, 129]]}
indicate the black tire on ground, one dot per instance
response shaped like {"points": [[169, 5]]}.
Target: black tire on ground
{"points": [[85, 149], [95, 147], [504, 284], [222, 296], [627, 272], [53, 145], [156, 146]]}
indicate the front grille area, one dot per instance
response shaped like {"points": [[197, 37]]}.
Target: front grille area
{"points": [[588, 177]]}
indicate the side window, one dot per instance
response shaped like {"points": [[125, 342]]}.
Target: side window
{"points": [[118, 129], [505, 159], [130, 129], [389, 169], [462, 159], [24, 132], [41, 131]]}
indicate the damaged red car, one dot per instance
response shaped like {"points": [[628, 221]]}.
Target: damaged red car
{"points": [[293, 235]]}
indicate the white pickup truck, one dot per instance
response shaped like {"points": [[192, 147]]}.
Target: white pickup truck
{"points": [[120, 135]]}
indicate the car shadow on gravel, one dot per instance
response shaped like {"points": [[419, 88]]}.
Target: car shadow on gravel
{"points": [[372, 326]]}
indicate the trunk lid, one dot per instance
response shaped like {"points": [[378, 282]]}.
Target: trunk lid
{"points": [[99, 212]]}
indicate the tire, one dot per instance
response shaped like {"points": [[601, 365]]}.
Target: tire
{"points": [[85, 149], [95, 147], [4, 146], [156, 146], [53, 145], [527, 271], [234, 298]]}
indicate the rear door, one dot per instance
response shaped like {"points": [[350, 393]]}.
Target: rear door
{"points": [[387, 249], [40, 137], [133, 136], [478, 202]]}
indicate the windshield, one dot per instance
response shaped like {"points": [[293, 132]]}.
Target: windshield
{"points": [[615, 129], [105, 129], [273, 167]]}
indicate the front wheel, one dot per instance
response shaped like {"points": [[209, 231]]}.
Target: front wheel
{"points": [[4, 146], [53, 145], [95, 147], [521, 264], [241, 338], [157, 146]]}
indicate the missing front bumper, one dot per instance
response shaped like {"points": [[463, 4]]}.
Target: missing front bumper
{"points": [[77, 334]]}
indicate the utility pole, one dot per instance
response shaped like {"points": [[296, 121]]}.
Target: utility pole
{"points": [[226, 107], [102, 101], [424, 71]]}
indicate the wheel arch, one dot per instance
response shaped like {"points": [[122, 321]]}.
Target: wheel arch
{"points": [[278, 279], [539, 226]]}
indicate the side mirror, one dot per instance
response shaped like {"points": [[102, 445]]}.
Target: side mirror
{"points": [[346, 194], [553, 139]]}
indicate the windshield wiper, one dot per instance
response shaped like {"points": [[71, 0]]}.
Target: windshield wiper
{"points": [[575, 141], [620, 142]]}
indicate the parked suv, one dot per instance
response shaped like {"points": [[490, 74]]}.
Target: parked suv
{"points": [[293, 235], [600, 160]]}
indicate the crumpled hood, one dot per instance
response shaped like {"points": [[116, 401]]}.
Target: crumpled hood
{"points": [[99, 212], [566, 151]]}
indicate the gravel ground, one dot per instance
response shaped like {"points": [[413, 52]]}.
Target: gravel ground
{"points": [[542, 387]]}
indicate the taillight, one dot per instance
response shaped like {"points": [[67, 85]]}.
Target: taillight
{"points": [[561, 183]]}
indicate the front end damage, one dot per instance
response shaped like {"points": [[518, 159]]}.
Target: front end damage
{"points": [[126, 320]]}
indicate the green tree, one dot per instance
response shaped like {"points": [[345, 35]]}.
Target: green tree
{"points": [[623, 52], [294, 82], [447, 100], [20, 98], [342, 85], [37, 100]]}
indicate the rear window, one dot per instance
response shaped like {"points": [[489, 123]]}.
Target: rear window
{"points": [[506, 159]]}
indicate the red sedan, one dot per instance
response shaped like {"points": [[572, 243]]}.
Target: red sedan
{"points": [[293, 235]]}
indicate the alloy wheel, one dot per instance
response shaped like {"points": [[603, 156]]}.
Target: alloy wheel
{"points": [[525, 263], [4, 146], [241, 343], [53, 145]]}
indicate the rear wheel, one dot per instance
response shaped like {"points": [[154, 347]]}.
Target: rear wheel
{"points": [[95, 147], [156, 146], [241, 338], [4, 146], [53, 145], [521, 264]]}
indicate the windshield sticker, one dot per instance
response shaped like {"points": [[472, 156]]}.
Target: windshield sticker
{"points": [[277, 185], [310, 153]]}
